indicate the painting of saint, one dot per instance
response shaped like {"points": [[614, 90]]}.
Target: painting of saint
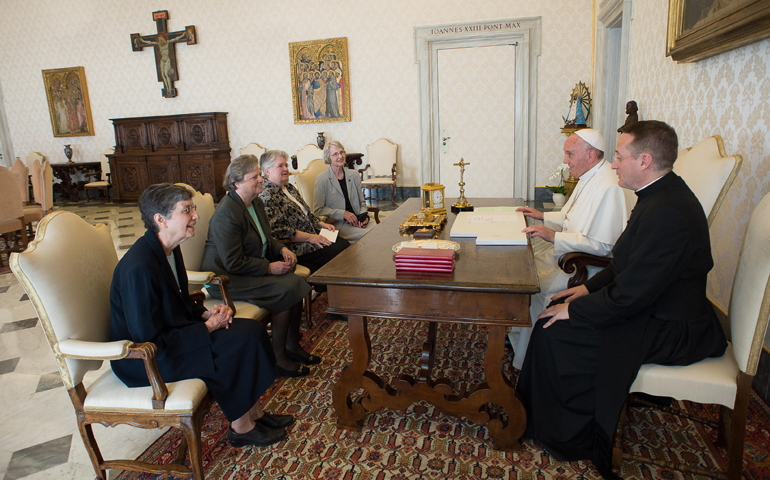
{"points": [[320, 79], [68, 102]]}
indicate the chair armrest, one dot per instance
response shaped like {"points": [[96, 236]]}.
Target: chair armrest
{"points": [[119, 350], [85, 350], [222, 281], [375, 211], [578, 263], [201, 278], [147, 352], [108, 177], [362, 170], [393, 172]]}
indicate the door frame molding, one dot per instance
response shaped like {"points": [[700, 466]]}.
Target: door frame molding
{"points": [[526, 34]]}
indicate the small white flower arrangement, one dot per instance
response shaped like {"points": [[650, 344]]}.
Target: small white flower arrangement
{"points": [[558, 178]]}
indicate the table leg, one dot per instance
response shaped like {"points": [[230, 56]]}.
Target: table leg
{"points": [[506, 435], [350, 413]]}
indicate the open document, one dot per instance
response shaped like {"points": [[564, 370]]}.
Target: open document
{"points": [[491, 226]]}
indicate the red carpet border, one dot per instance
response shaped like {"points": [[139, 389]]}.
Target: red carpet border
{"points": [[420, 442]]}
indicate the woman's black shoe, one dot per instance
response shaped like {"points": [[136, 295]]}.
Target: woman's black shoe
{"points": [[300, 372], [261, 436], [310, 360], [275, 421], [336, 316]]}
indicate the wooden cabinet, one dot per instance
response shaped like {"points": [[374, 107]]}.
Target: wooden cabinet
{"points": [[192, 148]]}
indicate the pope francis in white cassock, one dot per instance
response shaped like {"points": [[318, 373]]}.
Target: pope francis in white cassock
{"points": [[590, 222]]}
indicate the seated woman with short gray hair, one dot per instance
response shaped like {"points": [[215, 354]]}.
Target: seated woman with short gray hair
{"points": [[338, 194], [241, 245], [290, 217], [149, 303]]}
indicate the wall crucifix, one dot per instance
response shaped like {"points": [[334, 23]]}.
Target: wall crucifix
{"points": [[165, 53]]}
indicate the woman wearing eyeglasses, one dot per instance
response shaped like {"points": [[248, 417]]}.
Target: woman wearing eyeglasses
{"points": [[338, 195], [291, 219], [149, 303], [240, 245]]}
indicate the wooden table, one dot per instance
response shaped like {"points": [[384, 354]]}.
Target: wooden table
{"points": [[490, 286], [65, 171]]}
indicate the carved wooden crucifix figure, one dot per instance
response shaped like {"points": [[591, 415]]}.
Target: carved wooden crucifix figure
{"points": [[165, 53]]}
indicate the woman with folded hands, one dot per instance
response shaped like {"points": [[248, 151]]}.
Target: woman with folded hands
{"points": [[338, 194], [291, 219], [240, 245], [149, 303]]}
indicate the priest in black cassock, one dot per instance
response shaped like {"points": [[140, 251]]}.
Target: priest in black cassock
{"points": [[648, 306]]}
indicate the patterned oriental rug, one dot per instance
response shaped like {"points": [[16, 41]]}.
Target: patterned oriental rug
{"points": [[420, 442]]}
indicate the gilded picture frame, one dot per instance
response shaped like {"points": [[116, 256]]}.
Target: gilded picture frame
{"points": [[699, 29], [320, 80], [68, 102]]}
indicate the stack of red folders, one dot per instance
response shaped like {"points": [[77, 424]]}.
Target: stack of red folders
{"points": [[440, 260]]}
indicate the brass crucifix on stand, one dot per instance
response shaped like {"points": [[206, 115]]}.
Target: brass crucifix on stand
{"points": [[462, 205], [165, 53]]}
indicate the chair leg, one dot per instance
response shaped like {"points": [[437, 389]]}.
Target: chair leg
{"points": [[393, 194], [87, 434], [617, 441], [736, 427], [192, 433]]}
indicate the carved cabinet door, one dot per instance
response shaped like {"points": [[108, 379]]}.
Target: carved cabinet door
{"points": [[130, 177]]}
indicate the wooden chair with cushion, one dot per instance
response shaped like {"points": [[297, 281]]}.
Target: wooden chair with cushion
{"points": [[724, 381], [381, 170], [67, 272], [12, 222], [102, 183], [301, 160], [253, 149], [41, 176], [192, 252], [707, 170], [32, 212]]}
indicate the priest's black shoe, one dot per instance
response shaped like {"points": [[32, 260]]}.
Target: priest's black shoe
{"points": [[275, 421], [260, 436], [309, 360], [300, 372]]}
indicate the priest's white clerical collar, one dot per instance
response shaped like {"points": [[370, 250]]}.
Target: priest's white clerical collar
{"points": [[639, 190], [592, 171]]}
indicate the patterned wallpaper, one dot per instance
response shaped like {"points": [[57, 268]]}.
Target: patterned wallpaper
{"points": [[240, 66], [728, 95]]}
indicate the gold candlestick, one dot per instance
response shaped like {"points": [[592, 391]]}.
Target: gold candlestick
{"points": [[462, 204]]}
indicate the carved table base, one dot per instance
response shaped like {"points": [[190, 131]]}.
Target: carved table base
{"points": [[407, 390]]}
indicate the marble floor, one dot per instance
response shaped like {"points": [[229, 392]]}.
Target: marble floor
{"points": [[39, 439]]}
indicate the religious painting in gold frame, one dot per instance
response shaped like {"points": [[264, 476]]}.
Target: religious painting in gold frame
{"points": [[699, 29], [320, 81], [68, 102]]}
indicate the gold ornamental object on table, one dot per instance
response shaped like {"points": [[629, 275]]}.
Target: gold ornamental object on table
{"points": [[432, 217], [462, 205]]}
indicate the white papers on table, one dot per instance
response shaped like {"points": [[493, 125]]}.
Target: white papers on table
{"points": [[491, 226], [332, 236]]}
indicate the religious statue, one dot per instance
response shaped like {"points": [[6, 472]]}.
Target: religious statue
{"points": [[632, 117]]}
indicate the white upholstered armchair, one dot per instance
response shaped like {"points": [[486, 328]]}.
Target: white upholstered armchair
{"points": [[380, 172], [67, 273], [724, 381]]}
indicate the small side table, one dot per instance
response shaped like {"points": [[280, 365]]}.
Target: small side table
{"points": [[64, 172]]}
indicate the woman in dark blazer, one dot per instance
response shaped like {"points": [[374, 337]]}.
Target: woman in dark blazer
{"points": [[241, 246], [149, 303]]}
